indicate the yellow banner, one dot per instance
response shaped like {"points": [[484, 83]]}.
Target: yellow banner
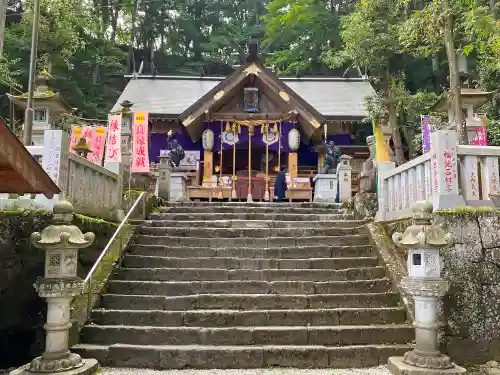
{"points": [[381, 152]]}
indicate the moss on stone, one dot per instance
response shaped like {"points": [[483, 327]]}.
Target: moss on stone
{"points": [[23, 313]]}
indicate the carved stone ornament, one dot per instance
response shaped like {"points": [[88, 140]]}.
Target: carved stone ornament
{"points": [[425, 287], [61, 234], [424, 360], [422, 234]]}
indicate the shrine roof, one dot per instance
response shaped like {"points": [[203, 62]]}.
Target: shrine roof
{"points": [[20, 173], [166, 96]]}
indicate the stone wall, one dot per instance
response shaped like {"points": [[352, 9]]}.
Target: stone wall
{"points": [[471, 310], [22, 312]]}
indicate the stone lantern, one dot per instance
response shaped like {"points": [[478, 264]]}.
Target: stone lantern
{"points": [[425, 284], [59, 286]]}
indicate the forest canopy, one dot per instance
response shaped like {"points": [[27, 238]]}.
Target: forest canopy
{"points": [[403, 46]]}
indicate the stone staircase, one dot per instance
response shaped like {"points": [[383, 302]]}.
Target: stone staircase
{"points": [[248, 286]]}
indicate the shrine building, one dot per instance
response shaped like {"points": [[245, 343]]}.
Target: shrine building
{"points": [[248, 115]]}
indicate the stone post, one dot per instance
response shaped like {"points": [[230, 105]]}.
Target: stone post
{"points": [[425, 284], [59, 286], [444, 170], [344, 170], [164, 171]]}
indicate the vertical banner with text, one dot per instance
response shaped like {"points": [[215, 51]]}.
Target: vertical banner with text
{"points": [[140, 154], [97, 145], [426, 133], [481, 138], [113, 143], [76, 134]]}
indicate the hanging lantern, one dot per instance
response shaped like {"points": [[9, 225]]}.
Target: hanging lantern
{"points": [[208, 140], [228, 127], [275, 129], [294, 139]]}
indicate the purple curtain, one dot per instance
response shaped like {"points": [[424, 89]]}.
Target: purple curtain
{"points": [[159, 142]]}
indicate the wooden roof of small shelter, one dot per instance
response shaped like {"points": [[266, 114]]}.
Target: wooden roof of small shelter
{"points": [[20, 172]]}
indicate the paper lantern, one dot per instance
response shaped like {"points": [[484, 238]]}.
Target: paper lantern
{"points": [[294, 139], [208, 140]]}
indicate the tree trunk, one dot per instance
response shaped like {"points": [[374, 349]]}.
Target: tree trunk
{"points": [[393, 119], [114, 23], [131, 57], [492, 7], [454, 98]]}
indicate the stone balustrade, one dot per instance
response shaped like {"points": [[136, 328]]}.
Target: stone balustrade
{"points": [[92, 189], [448, 176]]}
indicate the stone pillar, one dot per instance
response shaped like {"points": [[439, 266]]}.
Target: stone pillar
{"points": [[444, 170], [164, 171], [59, 286], [424, 283], [344, 170]]}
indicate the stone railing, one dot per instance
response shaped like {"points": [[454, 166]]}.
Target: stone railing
{"points": [[92, 189], [448, 176], [399, 188]]}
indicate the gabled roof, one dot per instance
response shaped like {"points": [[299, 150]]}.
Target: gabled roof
{"points": [[169, 96], [20, 173]]}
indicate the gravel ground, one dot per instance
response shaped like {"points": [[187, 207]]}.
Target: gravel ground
{"points": [[381, 370]]}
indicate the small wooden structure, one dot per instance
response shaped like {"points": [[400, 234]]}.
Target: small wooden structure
{"points": [[20, 173]]}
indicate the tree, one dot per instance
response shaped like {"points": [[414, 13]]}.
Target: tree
{"points": [[298, 31], [370, 41]]}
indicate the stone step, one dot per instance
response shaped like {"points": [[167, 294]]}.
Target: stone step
{"points": [[259, 210], [351, 240], [207, 274], [248, 232], [269, 335], [249, 301], [183, 288], [230, 318], [140, 261], [260, 224], [298, 252], [240, 357], [244, 215], [254, 204]]}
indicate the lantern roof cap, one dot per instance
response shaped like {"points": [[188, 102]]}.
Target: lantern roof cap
{"points": [[422, 234]]}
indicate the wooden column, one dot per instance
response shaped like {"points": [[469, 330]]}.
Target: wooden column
{"points": [[208, 165], [293, 167], [250, 134]]}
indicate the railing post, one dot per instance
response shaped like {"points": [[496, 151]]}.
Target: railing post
{"points": [[444, 170], [382, 188], [60, 284]]}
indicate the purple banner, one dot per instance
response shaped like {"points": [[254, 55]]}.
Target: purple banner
{"points": [[426, 133]]}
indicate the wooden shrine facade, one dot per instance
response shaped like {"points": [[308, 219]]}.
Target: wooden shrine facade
{"points": [[258, 109]]}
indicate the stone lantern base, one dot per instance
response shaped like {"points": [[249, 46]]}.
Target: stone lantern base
{"points": [[397, 366], [88, 367]]}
